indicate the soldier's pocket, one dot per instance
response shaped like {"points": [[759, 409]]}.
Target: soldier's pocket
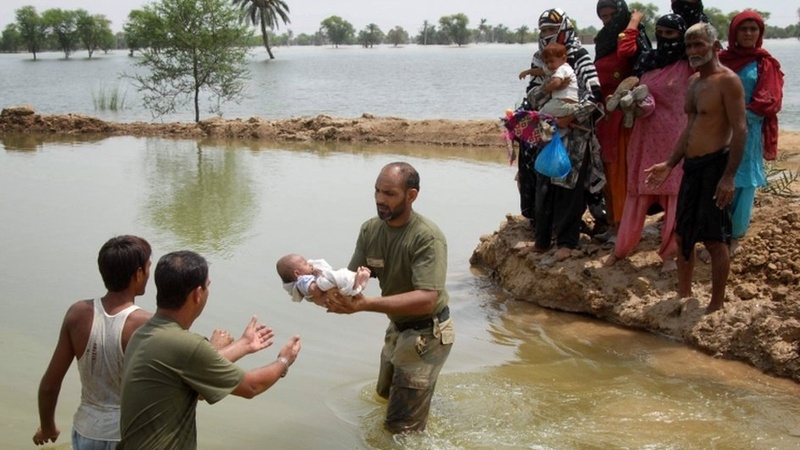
{"points": [[448, 333]]}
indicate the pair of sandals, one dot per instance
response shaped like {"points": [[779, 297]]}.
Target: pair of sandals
{"points": [[626, 98]]}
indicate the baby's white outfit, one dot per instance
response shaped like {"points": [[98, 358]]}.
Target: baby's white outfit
{"points": [[343, 279]]}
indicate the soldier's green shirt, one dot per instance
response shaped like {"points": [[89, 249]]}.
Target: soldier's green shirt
{"points": [[166, 369], [405, 258]]}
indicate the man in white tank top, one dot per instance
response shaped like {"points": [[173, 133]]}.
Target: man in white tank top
{"points": [[96, 332]]}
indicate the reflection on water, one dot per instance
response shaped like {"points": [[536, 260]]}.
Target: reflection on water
{"points": [[202, 195], [518, 377]]}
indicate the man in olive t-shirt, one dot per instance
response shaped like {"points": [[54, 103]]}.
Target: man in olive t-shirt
{"points": [[168, 368], [408, 255]]}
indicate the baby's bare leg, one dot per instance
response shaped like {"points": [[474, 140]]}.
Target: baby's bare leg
{"points": [[362, 276]]}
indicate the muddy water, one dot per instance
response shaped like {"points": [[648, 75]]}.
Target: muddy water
{"points": [[518, 376]]}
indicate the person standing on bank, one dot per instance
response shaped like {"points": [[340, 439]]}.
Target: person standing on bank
{"points": [[408, 254], [168, 368], [763, 86], [711, 148], [96, 333], [617, 46]]}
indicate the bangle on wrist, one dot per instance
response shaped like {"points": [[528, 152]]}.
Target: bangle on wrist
{"points": [[285, 362]]}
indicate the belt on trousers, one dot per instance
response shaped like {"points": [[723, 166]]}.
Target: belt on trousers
{"points": [[423, 324]]}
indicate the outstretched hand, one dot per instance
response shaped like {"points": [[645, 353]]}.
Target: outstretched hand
{"points": [[291, 349], [220, 338], [257, 336]]}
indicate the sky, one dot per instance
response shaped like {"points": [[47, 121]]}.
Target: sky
{"points": [[306, 15]]}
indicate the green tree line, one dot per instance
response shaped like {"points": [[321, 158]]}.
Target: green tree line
{"points": [[72, 30]]}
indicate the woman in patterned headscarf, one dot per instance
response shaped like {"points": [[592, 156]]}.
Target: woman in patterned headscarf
{"points": [[616, 48], [763, 87], [666, 71], [560, 202]]}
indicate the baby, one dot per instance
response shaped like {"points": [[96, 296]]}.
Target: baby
{"points": [[310, 279], [561, 83]]}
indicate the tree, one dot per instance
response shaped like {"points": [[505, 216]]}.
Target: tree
{"points": [[93, 31], [63, 24], [501, 33], [11, 40], [397, 36], [483, 31], [338, 30], [144, 29], [370, 36], [521, 33], [426, 33], [455, 27], [32, 29], [201, 50], [266, 14]]}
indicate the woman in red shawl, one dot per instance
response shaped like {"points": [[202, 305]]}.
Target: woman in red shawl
{"points": [[763, 85]]}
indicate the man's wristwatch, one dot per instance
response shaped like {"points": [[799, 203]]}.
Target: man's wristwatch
{"points": [[285, 364]]}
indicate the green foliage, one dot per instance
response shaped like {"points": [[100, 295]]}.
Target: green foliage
{"points": [[199, 48], [93, 31], [266, 14], [63, 24], [780, 179], [522, 34], [32, 28], [455, 27], [397, 36], [112, 99], [338, 30], [370, 36], [11, 40]]}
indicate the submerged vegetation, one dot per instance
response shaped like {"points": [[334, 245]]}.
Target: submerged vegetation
{"points": [[109, 98]]}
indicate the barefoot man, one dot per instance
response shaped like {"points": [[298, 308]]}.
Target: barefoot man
{"points": [[711, 146]]}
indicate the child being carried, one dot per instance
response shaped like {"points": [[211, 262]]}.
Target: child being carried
{"points": [[310, 279]]}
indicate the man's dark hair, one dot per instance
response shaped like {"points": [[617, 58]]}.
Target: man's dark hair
{"points": [[119, 259], [410, 175], [177, 274]]}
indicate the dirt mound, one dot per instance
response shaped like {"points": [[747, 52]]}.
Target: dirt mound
{"points": [[759, 323], [365, 129]]}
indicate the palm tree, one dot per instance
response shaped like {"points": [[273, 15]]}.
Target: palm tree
{"points": [[264, 13]]}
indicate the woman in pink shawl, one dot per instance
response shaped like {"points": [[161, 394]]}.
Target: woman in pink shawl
{"points": [[666, 71]]}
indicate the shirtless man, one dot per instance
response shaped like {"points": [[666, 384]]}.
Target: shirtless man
{"points": [[711, 147]]}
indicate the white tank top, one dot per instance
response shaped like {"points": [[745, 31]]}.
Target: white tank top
{"points": [[100, 369]]}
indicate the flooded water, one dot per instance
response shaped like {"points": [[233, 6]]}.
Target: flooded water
{"points": [[414, 82], [519, 377]]}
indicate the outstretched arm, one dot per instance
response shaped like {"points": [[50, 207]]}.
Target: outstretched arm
{"points": [[259, 380]]}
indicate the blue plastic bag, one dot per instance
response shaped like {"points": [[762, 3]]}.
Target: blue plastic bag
{"points": [[553, 160]]}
